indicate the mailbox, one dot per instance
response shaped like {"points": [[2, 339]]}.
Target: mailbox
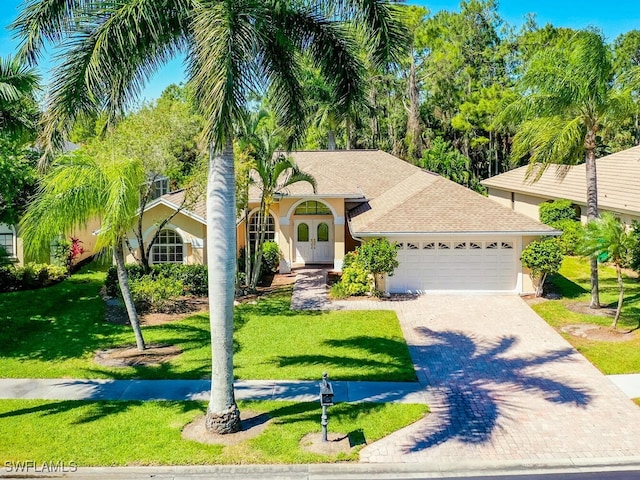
{"points": [[326, 392]]}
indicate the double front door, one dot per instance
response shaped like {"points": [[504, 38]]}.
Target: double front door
{"points": [[314, 241]]}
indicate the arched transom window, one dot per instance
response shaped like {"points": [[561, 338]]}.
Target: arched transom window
{"points": [[311, 207], [168, 248]]}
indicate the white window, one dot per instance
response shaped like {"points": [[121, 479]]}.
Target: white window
{"points": [[254, 229], [8, 239], [168, 248]]}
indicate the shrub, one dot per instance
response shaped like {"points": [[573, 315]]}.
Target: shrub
{"points": [[552, 212], [65, 252], [30, 276], [634, 261], [155, 294], [572, 233], [270, 256], [378, 256], [355, 280], [193, 277], [348, 259], [542, 257], [339, 291]]}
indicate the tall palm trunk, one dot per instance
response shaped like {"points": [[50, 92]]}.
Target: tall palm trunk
{"points": [[620, 296], [592, 207], [413, 118], [223, 415], [123, 280]]}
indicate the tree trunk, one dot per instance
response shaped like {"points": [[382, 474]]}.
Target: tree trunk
{"points": [[247, 248], [264, 211], [223, 415], [375, 126], [123, 279], [331, 140], [592, 207], [620, 296], [413, 118]]}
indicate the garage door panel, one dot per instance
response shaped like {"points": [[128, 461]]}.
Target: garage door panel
{"points": [[475, 265]]}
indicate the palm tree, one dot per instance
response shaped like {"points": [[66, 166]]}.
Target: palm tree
{"points": [[276, 172], [568, 97], [607, 239], [233, 48], [78, 188], [18, 82]]}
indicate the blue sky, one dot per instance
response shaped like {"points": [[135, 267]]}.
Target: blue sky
{"points": [[613, 18]]}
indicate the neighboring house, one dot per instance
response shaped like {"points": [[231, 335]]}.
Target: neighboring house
{"points": [[449, 238], [618, 186]]}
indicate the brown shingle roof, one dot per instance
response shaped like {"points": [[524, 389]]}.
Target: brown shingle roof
{"points": [[618, 182], [400, 197], [428, 203], [349, 173]]}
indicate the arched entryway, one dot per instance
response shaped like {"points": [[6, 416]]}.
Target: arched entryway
{"points": [[313, 233]]}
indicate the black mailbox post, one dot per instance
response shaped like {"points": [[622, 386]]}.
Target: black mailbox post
{"points": [[326, 400]]}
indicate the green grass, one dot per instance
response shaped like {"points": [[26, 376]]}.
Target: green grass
{"points": [[55, 332], [149, 433], [574, 285]]}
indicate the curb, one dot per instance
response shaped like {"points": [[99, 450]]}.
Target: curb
{"points": [[340, 471]]}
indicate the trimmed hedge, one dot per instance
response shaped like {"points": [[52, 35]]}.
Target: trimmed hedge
{"points": [[30, 276], [193, 277]]}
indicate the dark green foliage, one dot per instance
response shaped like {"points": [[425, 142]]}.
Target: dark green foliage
{"points": [[572, 232], [155, 293], [30, 276], [542, 257], [270, 256], [634, 261], [558, 210], [193, 277], [378, 256]]}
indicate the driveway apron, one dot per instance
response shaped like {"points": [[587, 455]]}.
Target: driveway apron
{"points": [[501, 385]]}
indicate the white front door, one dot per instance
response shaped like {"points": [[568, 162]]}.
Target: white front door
{"points": [[314, 241]]}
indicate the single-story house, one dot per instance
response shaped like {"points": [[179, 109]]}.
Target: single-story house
{"points": [[618, 192], [449, 238]]}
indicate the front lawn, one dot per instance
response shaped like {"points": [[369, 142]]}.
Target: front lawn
{"points": [[149, 433], [55, 332], [573, 284]]}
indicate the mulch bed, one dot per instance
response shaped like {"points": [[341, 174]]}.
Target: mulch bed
{"points": [[597, 333], [130, 356], [252, 425]]}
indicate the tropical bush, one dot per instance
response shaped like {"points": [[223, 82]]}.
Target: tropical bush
{"points": [[270, 256], [30, 276], [542, 257], [155, 293], [572, 233], [355, 280], [556, 211], [66, 251], [193, 278], [339, 291]]}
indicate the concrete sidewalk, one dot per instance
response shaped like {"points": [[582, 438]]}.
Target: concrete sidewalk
{"points": [[293, 391]]}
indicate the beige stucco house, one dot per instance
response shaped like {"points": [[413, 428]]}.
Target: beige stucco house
{"points": [[618, 181], [449, 238]]}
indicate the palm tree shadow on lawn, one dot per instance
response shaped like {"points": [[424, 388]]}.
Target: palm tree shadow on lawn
{"points": [[463, 375]]}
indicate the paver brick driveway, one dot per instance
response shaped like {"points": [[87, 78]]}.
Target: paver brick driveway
{"points": [[503, 385]]}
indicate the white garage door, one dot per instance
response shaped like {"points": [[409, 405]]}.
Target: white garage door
{"points": [[454, 264]]}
